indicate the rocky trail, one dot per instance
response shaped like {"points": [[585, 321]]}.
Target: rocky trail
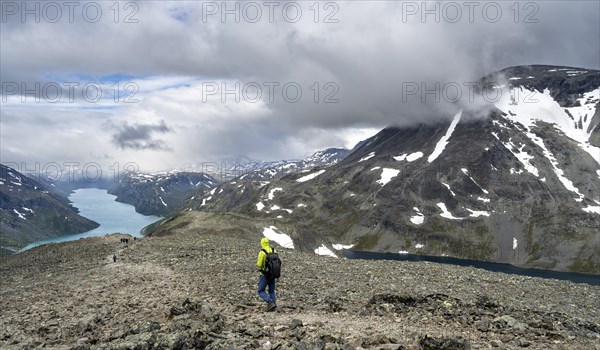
{"points": [[194, 291]]}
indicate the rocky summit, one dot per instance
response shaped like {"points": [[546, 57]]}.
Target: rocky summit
{"points": [[189, 288]]}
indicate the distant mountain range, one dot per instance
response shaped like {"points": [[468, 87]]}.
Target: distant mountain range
{"points": [[519, 186], [160, 193], [237, 166]]}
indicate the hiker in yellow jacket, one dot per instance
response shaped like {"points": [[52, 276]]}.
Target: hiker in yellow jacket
{"points": [[263, 282]]}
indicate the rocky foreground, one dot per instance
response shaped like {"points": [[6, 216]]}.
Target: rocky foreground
{"points": [[195, 291]]}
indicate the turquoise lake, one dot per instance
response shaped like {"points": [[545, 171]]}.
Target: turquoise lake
{"points": [[96, 204]]}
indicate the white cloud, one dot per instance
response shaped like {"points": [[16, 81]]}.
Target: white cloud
{"points": [[171, 51]]}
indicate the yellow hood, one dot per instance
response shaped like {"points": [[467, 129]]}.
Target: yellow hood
{"points": [[264, 243], [262, 256]]}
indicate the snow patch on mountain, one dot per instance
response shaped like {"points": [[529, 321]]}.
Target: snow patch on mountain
{"points": [[417, 219], [259, 206], [204, 200], [592, 209], [342, 246], [271, 194], [409, 157], [387, 175], [441, 145], [466, 172], [29, 210], [445, 213], [323, 250], [414, 156], [582, 114], [527, 107], [449, 189], [369, 156], [275, 235], [19, 214], [477, 213], [559, 172], [523, 157], [310, 176]]}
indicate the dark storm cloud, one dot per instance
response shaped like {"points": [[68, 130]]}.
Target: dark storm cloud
{"points": [[370, 54], [140, 136]]}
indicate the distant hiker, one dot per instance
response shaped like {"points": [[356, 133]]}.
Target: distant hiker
{"points": [[114, 257], [269, 266]]}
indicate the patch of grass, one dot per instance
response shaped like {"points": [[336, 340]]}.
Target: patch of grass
{"points": [[368, 242], [584, 266], [5, 252], [6, 241], [585, 262]]}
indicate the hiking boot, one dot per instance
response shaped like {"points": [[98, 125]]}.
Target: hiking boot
{"points": [[271, 306]]}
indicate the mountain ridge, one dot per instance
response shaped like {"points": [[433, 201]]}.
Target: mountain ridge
{"points": [[520, 186], [29, 212]]}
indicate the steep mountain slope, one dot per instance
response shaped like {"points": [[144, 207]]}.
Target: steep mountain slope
{"points": [[520, 186], [159, 193], [30, 212]]}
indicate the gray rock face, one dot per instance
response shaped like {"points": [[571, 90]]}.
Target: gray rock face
{"points": [[30, 212], [196, 289], [520, 186], [161, 193]]}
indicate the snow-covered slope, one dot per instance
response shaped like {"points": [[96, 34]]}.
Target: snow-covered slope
{"points": [[528, 107]]}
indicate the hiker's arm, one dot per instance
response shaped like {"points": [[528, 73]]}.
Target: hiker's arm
{"points": [[260, 261]]}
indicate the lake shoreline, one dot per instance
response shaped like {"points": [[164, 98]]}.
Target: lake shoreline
{"points": [[112, 217], [575, 277]]}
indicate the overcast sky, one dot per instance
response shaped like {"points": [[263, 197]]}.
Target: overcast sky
{"points": [[307, 77]]}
